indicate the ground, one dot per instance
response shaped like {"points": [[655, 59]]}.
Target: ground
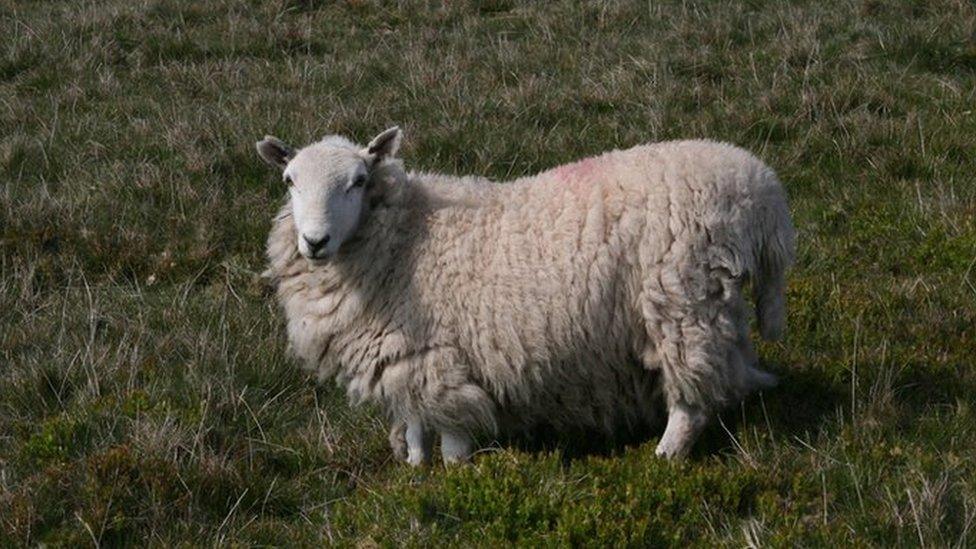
{"points": [[146, 394]]}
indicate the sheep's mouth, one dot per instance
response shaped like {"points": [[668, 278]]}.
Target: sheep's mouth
{"points": [[316, 261]]}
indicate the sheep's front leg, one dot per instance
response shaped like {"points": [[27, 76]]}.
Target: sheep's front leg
{"points": [[420, 442], [685, 423], [456, 447]]}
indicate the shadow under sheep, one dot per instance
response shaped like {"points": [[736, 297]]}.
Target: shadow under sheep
{"points": [[798, 405]]}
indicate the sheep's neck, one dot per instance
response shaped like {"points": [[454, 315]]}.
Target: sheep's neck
{"points": [[389, 230]]}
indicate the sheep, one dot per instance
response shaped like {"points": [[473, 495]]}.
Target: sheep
{"points": [[591, 295]]}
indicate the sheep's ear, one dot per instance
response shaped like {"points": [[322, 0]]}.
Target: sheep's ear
{"points": [[386, 144], [275, 151]]}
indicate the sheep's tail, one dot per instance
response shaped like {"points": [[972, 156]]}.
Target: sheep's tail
{"points": [[774, 256]]}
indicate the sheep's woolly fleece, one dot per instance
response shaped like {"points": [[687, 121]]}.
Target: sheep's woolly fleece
{"points": [[576, 297]]}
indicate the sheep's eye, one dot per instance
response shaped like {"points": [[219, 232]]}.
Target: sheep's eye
{"points": [[358, 181], [288, 181]]}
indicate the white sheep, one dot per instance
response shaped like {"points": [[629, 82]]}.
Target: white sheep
{"points": [[575, 298]]}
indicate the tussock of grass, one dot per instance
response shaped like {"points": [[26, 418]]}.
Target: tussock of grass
{"points": [[147, 395]]}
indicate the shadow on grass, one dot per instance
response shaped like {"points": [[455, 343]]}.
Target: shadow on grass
{"points": [[802, 406], [798, 406], [805, 401]]}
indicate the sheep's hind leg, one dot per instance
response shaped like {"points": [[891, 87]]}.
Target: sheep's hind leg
{"points": [[685, 423], [419, 442]]}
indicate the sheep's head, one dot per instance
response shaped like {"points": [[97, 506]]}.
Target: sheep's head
{"points": [[327, 182]]}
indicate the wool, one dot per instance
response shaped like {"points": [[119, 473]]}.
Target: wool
{"points": [[586, 296]]}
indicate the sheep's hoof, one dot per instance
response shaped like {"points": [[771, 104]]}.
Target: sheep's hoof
{"points": [[684, 425], [456, 447], [456, 460], [671, 452], [420, 442], [398, 440]]}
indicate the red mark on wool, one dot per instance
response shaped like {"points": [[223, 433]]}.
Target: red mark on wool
{"points": [[578, 171]]}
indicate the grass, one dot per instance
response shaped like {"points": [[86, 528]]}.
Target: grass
{"points": [[146, 395]]}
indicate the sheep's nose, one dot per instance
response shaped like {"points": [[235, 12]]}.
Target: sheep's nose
{"points": [[315, 245]]}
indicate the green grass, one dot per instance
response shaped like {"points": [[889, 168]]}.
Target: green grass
{"points": [[146, 395]]}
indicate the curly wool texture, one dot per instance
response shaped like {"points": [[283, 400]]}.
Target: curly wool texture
{"points": [[573, 298]]}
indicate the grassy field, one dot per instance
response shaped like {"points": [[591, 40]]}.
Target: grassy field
{"points": [[146, 396]]}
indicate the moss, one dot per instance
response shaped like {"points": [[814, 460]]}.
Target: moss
{"points": [[57, 439]]}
